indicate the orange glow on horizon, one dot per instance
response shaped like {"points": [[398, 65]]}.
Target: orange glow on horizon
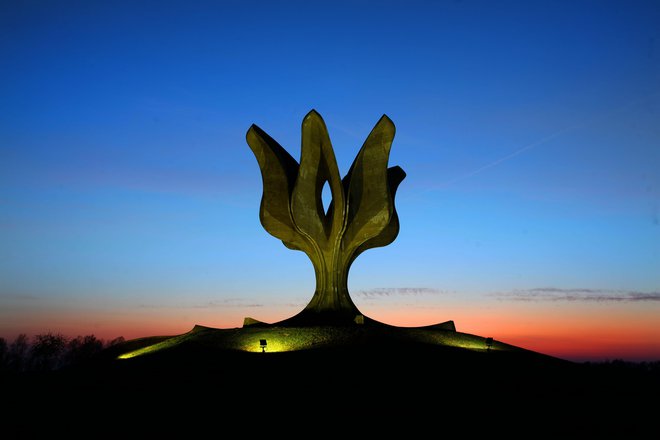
{"points": [[579, 332]]}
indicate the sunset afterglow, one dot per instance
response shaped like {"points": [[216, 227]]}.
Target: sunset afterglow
{"points": [[129, 199]]}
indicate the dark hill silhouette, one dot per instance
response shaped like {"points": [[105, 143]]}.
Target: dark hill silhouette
{"points": [[372, 381]]}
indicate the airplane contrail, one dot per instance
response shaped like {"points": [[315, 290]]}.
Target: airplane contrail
{"points": [[507, 157], [542, 141]]}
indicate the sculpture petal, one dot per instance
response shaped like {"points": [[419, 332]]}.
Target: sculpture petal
{"points": [[395, 176], [317, 166], [278, 172], [370, 205], [291, 246]]}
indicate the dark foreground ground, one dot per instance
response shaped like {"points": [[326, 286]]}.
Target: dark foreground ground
{"points": [[396, 390]]}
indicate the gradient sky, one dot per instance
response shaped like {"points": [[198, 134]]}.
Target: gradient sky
{"points": [[530, 133]]}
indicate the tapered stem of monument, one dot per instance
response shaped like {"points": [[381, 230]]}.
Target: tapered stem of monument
{"points": [[331, 291], [331, 303]]}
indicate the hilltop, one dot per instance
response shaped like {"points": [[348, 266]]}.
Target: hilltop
{"points": [[395, 377]]}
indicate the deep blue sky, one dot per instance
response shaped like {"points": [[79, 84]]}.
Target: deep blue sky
{"points": [[529, 132]]}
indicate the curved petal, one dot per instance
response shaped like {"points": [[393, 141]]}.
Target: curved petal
{"points": [[317, 166], [370, 206], [278, 172], [395, 176]]}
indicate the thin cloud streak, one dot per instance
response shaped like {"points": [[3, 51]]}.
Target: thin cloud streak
{"points": [[227, 303], [394, 291], [223, 304], [580, 294]]}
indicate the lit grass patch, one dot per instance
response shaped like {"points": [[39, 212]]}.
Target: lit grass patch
{"points": [[151, 348], [455, 339], [287, 339], [282, 339], [167, 343]]}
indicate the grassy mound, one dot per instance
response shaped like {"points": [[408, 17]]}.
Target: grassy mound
{"points": [[289, 339], [403, 381]]}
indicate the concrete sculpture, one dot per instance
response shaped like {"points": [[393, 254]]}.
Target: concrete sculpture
{"points": [[361, 215]]}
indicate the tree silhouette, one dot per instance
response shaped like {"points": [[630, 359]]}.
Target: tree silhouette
{"points": [[116, 341], [18, 353], [83, 348], [50, 351], [3, 354], [47, 351]]}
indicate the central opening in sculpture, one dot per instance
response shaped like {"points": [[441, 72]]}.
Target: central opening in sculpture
{"points": [[326, 197], [312, 209]]}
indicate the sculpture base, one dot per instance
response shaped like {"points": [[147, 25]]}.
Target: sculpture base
{"points": [[308, 318]]}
